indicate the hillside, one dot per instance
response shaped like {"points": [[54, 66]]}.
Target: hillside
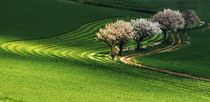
{"points": [[49, 53]]}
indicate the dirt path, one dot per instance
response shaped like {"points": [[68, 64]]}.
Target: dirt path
{"points": [[129, 59]]}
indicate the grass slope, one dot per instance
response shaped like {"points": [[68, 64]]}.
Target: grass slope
{"points": [[151, 5], [200, 6], [25, 19], [80, 76], [66, 69], [193, 59]]}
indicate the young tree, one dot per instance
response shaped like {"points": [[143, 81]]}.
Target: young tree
{"points": [[169, 20], [115, 34], [144, 28], [191, 18]]}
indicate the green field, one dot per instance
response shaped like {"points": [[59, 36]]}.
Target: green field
{"points": [[148, 5], [44, 18], [49, 54], [192, 59], [200, 6]]}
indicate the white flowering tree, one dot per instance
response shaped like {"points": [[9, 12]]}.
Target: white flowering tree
{"points": [[116, 34], [169, 20], [191, 18], [144, 28]]}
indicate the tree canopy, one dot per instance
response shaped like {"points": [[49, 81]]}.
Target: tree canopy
{"points": [[144, 28]]}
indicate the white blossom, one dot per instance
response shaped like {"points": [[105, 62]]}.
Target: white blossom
{"points": [[169, 20], [191, 18], [144, 28], [117, 33]]}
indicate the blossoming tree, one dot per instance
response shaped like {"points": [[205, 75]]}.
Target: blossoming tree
{"points": [[191, 18], [169, 20], [144, 28], [116, 34]]}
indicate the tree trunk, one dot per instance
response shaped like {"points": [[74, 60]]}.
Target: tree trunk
{"points": [[121, 49], [138, 45], [165, 36], [112, 52]]}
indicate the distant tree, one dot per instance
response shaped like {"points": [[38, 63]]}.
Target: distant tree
{"points": [[191, 18], [144, 28], [116, 34], [169, 20]]}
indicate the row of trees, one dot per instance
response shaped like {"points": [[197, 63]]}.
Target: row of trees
{"points": [[115, 35]]}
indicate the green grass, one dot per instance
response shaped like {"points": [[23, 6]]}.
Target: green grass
{"points": [[152, 5], [43, 80], [200, 6], [192, 59], [67, 67], [88, 78], [187, 60], [25, 19]]}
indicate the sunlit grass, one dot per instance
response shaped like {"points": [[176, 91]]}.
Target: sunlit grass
{"points": [[74, 66]]}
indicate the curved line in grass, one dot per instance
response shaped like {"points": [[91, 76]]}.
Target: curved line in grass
{"points": [[82, 45]]}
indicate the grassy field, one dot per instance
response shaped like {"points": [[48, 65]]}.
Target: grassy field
{"points": [[148, 5], [200, 6], [44, 18], [193, 59], [70, 67], [62, 71]]}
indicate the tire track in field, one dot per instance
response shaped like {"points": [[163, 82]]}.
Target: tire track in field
{"points": [[129, 59], [70, 46], [77, 45]]}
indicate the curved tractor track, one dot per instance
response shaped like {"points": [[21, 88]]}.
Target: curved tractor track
{"points": [[79, 45], [176, 43]]}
